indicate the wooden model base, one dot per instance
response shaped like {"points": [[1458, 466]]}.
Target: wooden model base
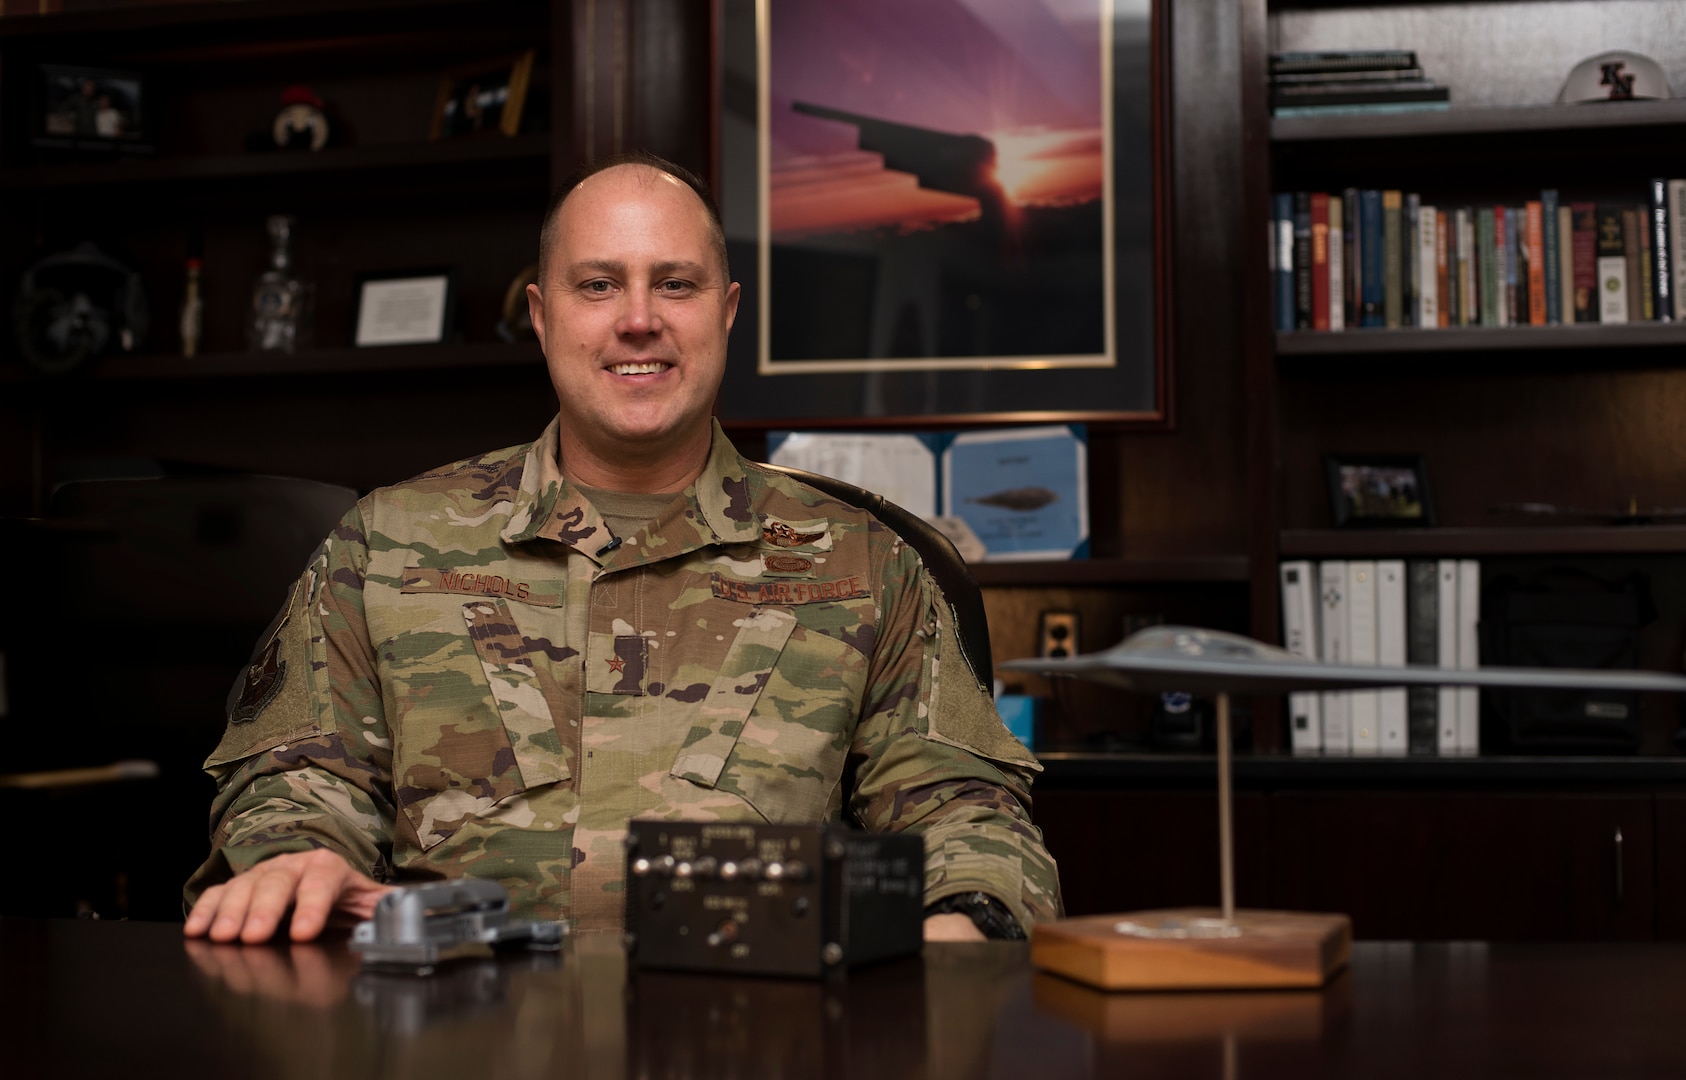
{"points": [[1194, 949]]}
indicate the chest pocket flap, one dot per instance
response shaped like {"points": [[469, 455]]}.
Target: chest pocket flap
{"points": [[743, 674], [519, 687]]}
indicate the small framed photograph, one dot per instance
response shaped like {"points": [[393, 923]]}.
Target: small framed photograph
{"points": [[479, 99], [90, 108], [1378, 491], [413, 307]]}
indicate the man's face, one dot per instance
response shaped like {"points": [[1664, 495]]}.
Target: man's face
{"points": [[632, 314]]}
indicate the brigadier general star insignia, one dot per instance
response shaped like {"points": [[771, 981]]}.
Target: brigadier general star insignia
{"points": [[616, 664]]}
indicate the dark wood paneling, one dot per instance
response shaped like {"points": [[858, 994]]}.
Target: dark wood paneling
{"points": [[1183, 491], [1453, 867], [1128, 852], [1671, 866]]}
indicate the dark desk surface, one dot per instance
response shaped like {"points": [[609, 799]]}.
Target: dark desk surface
{"points": [[100, 999]]}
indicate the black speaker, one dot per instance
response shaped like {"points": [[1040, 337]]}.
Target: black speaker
{"points": [[1563, 617]]}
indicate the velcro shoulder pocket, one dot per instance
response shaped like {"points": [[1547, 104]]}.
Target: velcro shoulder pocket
{"points": [[270, 705]]}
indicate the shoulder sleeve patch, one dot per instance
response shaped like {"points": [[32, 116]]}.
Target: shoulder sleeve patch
{"points": [[962, 713], [270, 705]]}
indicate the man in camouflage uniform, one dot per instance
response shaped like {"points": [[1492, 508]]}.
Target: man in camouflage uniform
{"points": [[490, 668]]}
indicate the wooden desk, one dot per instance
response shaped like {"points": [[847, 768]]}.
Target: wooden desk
{"points": [[85, 999]]}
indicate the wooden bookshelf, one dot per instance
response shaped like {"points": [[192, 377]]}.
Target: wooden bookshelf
{"points": [[1538, 119]]}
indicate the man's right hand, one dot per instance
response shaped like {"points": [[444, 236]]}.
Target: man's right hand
{"points": [[315, 884]]}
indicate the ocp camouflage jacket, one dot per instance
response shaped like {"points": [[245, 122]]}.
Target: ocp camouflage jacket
{"points": [[469, 678]]}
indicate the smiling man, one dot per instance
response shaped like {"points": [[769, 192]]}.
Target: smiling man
{"points": [[489, 669]]}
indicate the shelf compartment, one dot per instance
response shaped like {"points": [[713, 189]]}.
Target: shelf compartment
{"points": [[336, 361], [374, 158], [1470, 542], [1477, 338], [1215, 569], [1477, 121]]}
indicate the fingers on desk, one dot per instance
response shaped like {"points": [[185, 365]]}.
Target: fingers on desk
{"points": [[251, 905]]}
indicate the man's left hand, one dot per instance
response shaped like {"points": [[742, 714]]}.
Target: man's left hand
{"points": [[952, 926]]}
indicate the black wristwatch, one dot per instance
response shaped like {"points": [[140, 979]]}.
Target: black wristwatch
{"points": [[986, 912]]}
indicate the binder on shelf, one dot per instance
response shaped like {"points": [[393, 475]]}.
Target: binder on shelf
{"points": [[1299, 637], [1447, 648], [1469, 654], [1336, 705], [1390, 652], [1422, 646], [1365, 717]]}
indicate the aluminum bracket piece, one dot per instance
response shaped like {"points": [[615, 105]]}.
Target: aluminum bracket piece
{"points": [[421, 926]]}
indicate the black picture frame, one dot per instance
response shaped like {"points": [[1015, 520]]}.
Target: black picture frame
{"points": [[431, 301], [1131, 389], [90, 109], [1378, 491], [482, 98]]}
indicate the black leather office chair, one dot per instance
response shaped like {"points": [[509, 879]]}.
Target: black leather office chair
{"points": [[138, 605], [965, 600]]}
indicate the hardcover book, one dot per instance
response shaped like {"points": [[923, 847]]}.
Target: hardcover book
{"points": [[1352, 261], [1612, 265], [1408, 254], [1302, 260], [1633, 244], [1374, 258], [1283, 225], [1446, 297], [1428, 265], [1566, 263], [1551, 247], [1468, 297], [1487, 259], [1584, 217], [1677, 242], [1319, 260], [1337, 264], [1535, 237], [1393, 285], [1662, 252]]}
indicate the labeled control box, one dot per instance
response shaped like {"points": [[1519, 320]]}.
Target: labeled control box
{"points": [[747, 898]]}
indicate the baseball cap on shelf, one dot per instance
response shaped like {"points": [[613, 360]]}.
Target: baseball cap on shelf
{"points": [[1615, 76]]}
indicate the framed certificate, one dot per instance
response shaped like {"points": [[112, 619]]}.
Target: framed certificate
{"points": [[411, 308], [1022, 491]]}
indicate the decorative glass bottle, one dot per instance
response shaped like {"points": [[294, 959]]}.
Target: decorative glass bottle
{"points": [[283, 304]]}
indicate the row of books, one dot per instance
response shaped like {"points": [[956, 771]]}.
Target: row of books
{"points": [[1325, 83], [1384, 258], [1390, 612]]}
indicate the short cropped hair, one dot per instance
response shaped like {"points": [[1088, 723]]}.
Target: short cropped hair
{"points": [[717, 231]]}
